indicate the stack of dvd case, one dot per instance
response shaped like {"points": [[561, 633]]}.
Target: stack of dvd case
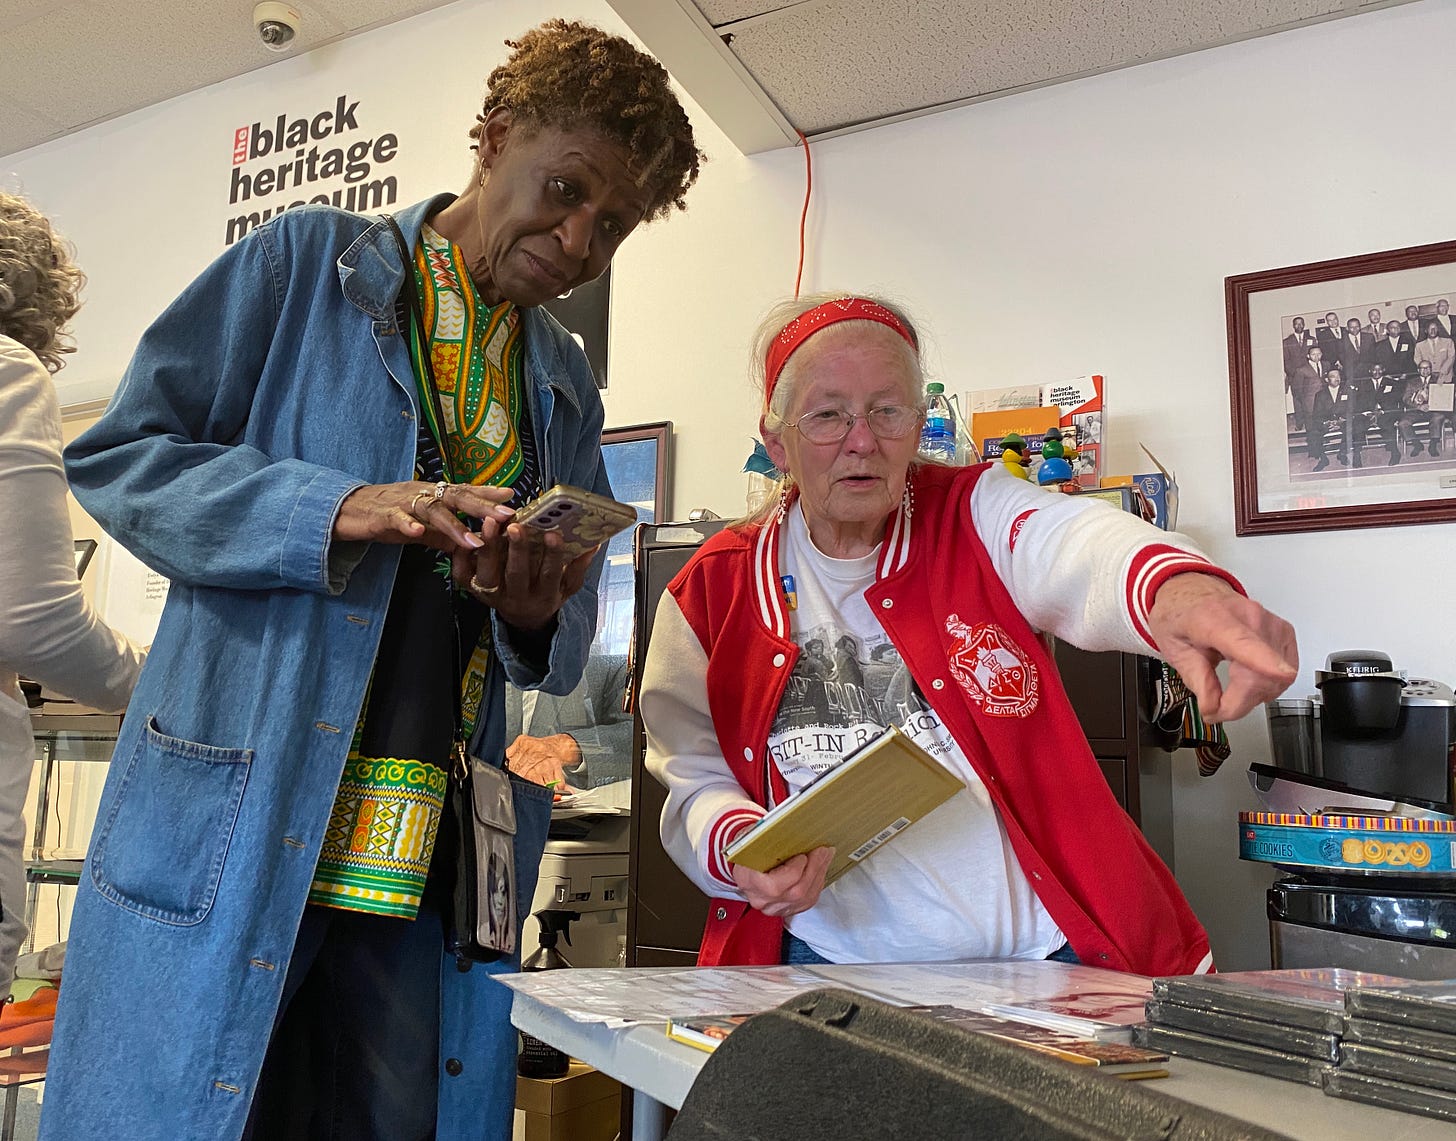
{"points": [[1285, 1024], [1399, 1047]]}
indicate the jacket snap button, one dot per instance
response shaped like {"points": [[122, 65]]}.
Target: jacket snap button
{"points": [[938, 683], [887, 602], [747, 754], [779, 660], [453, 1067], [722, 913]]}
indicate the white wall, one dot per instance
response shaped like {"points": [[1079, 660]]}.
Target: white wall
{"points": [[1082, 228]]}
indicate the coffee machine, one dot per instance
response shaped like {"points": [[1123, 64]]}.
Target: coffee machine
{"points": [[1371, 738], [1382, 732], [1358, 810]]}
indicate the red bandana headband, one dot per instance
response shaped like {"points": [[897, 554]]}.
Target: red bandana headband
{"points": [[806, 324]]}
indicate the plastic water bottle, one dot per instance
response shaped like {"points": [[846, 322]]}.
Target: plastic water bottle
{"points": [[938, 436]]}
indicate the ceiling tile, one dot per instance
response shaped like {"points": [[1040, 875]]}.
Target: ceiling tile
{"points": [[21, 128], [89, 61], [720, 12], [13, 13], [834, 63], [356, 15]]}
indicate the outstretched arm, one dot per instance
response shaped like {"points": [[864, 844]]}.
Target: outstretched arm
{"points": [[1198, 620]]}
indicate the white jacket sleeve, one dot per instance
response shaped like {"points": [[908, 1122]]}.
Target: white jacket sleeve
{"points": [[48, 631], [706, 807], [1077, 566]]}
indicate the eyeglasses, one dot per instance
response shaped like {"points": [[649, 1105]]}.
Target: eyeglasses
{"points": [[830, 425]]}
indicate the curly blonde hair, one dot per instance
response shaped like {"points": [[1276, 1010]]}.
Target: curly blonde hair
{"points": [[573, 76], [39, 285]]}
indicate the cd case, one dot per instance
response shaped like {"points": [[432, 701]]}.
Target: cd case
{"points": [[1251, 1031], [1429, 1005], [1391, 1094], [1234, 1055], [1395, 1036], [1398, 1065], [1313, 998]]}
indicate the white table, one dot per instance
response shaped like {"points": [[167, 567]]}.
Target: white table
{"points": [[660, 1071]]}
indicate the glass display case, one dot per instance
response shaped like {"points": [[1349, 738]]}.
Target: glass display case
{"points": [[72, 752]]}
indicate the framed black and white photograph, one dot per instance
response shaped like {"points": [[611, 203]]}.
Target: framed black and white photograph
{"points": [[1341, 386]]}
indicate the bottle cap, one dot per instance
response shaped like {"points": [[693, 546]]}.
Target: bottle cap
{"points": [[934, 388]]}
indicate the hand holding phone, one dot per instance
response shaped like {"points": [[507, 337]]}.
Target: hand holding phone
{"points": [[582, 518]]}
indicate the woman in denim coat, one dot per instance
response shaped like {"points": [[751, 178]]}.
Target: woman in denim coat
{"points": [[257, 946]]}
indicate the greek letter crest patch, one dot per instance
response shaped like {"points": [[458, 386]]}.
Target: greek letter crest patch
{"points": [[994, 671]]}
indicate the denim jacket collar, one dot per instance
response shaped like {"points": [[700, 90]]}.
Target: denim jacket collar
{"points": [[371, 272]]}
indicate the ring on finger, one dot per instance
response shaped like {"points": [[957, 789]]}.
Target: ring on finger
{"points": [[480, 588], [417, 497], [439, 490]]}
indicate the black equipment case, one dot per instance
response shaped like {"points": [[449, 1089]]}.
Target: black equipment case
{"points": [[832, 1065]]}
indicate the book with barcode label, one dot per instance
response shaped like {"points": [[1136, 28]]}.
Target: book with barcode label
{"points": [[856, 808]]}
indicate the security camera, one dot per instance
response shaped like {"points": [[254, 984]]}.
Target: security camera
{"points": [[277, 24]]}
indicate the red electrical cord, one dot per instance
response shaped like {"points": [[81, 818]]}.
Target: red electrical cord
{"points": [[808, 190]]}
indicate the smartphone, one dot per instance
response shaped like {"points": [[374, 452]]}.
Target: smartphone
{"points": [[583, 518]]}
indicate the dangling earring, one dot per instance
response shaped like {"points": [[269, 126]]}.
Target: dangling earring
{"points": [[783, 512], [907, 501]]}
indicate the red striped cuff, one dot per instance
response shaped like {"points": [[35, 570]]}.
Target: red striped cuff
{"points": [[1154, 565], [1016, 525], [723, 832]]}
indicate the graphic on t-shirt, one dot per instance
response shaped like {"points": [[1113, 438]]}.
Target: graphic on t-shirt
{"points": [[843, 692]]}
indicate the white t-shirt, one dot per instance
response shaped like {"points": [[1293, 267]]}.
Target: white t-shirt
{"points": [[949, 886]]}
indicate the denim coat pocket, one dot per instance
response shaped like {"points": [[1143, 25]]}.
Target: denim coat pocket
{"points": [[161, 848]]}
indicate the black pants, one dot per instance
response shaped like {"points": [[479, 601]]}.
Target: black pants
{"points": [[355, 1049]]}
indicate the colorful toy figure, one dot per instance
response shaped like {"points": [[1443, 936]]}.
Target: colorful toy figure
{"points": [[1056, 466], [1013, 454]]}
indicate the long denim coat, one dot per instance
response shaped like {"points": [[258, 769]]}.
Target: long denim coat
{"points": [[276, 384]]}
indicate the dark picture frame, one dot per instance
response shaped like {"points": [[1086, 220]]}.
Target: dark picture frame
{"points": [[85, 551], [638, 464], [1389, 456], [586, 313]]}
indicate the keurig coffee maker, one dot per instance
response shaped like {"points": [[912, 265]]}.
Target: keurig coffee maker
{"points": [[1358, 806], [1384, 733]]}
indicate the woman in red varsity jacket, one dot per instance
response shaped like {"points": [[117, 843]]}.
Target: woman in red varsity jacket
{"points": [[879, 591]]}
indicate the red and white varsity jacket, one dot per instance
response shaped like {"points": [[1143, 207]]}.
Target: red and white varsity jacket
{"points": [[721, 657]]}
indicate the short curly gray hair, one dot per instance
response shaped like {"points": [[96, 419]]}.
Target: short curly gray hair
{"points": [[39, 285]]}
